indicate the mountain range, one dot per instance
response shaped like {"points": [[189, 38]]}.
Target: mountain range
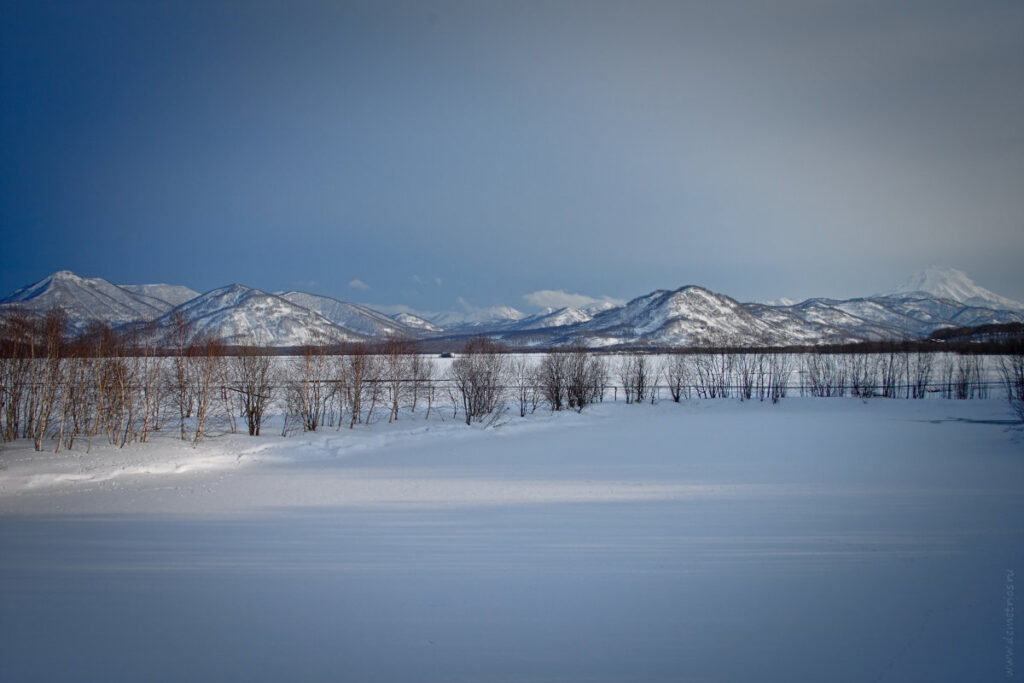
{"points": [[933, 299]]}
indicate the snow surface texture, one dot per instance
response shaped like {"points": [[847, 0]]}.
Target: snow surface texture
{"points": [[816, 539]]}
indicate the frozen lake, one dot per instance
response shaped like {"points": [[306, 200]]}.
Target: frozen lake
{"points": [[817, 539]]}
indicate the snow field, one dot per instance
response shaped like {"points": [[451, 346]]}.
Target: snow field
{"points": [[815, 539]]}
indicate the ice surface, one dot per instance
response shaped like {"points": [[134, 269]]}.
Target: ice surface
{"points": [[817, 539]]}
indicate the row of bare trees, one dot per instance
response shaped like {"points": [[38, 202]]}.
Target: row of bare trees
{"points": [[894, 375], [122, 387], [117, 387], [325, 387], [1011, 370]]}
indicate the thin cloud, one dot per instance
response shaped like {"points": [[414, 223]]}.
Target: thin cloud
{"points": [[358, 284]]}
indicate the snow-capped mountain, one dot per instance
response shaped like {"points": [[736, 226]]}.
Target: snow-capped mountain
{"points": [[237, 314], [473, 317], [173, 295], [415, 322], [352, 317], [690, 316], [949, 283], [553, 318], [86, 300]]}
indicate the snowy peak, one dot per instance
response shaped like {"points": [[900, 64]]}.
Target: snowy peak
{"points": [[949, 283], [86, 300], [237, 314], [688, 315]]}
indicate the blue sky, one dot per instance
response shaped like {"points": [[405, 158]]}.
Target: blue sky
{"points": [[418, 153]]}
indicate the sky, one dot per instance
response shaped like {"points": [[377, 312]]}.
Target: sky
{"points": [[438, 155]]}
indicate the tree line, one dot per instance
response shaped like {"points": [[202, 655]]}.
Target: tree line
{"points": [[122, 387]]}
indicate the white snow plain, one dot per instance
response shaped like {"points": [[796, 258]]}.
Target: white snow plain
{"points": [[816, 539]]}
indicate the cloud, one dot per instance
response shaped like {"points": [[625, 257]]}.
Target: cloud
{"points": [[358, 284], [437, 281], [417, 279], [556, 298]]}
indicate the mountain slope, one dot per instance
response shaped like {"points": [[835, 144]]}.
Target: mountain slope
{"points": [[949, 283], [241, 315], [476, 318], [935, 299], [173, 295], [86, 300], [352, 317], [415, 322], [688, 316]]}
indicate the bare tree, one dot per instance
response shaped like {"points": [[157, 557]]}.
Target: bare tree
{"points": [[254, 378], [18, 367], [920, 370], [552, 377], [422, 369], [1011, 369], [206, 378], [178, 340], [637, 374], [677, 376], [825, 374], [585, 375], [47, 373], [967, 383], [863, 370], [309, 386], [746, 365], [523, 381], [780, 368], [892, 368], [360, 372], [477, 376], [397, 355]]}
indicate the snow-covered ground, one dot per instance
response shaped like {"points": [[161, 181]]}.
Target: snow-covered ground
{"points": [[816, 539]]}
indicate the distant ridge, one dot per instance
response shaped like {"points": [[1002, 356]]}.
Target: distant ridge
{"points": [[937, 298], [949, 283]]}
